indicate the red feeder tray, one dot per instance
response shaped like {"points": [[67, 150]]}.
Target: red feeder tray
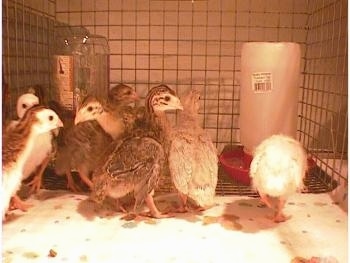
{"points": [[236, 164]]}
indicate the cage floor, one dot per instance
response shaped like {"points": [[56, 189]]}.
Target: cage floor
{"points": [[237, 229], [316, 181]]}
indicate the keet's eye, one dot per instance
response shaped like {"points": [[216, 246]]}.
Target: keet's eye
{"points": [[24, 106], [50, 118], [89, 108], [167, 98]]}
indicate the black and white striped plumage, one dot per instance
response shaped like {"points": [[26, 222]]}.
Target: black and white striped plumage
{"points": [[137, 162], [193, 160], [17, 148]]}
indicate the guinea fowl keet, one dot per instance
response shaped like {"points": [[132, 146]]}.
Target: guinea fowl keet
{"points": [[84, 143], [193, 160], [17, 148], [24, 102], [81, 150], [119, 97], [277, 170], [136, 163], [42, 148], [46, 145]]}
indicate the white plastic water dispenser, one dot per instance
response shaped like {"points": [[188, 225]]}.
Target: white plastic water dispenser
{"points": [[270, 78]]}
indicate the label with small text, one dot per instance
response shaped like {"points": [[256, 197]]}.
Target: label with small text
{"points": [[262, 82]]}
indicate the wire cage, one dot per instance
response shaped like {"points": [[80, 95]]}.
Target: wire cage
{"points": [[197, 44]]}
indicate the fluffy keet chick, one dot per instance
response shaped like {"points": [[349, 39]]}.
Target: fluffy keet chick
{"points": [[136, 163], [193, 160], [18, 145], [24, 102], [93, 109], [118, 103], [277, 170], [119, 96], [42, 148], [97, 125]]}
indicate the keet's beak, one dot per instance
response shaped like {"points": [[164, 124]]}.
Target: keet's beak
{"points": [[77, 119], [177, 103], [135, 96], [59, 123]]}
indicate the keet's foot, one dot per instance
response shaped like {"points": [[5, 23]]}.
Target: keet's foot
{"points": [[35, 184], [153, 209], [265, 200], [280, 217], [17, 203]]}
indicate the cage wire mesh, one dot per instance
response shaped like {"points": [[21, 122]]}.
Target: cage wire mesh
{"points": [[197, 44], [27, 33]]}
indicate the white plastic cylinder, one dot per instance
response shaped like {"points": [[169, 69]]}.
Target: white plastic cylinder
{"points": [[270, 78]]}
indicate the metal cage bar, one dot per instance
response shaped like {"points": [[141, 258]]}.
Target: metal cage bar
{"points": [[197, 44], [27, 34], [324, 101]]}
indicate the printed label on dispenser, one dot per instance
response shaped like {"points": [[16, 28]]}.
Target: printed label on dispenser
{"points": [[262, 82], [63, 79]]}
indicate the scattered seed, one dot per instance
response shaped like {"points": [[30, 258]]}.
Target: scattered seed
{"points": [[30, 255], [299, 260], [128, 217], [57, 207], [150, 222], [230, 222], [129, 225], [192, 218], [207, 220], [230, 217], [245, 204], [231, 225], [52, 253], [261, 205], [320, 204]]}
